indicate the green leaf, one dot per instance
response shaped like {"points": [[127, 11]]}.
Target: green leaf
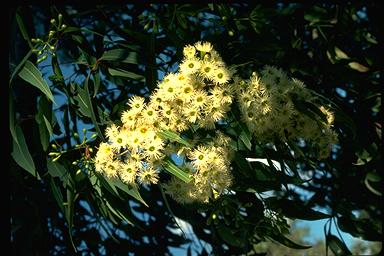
{"points": [[57, 195], [176, 171], [45, 128], [127, 74], [33, 76], [337, 246], [96, 82], [229, 236], [294, 209], [287, 242], [120, 55], [21, 154], [22, 28], [86, 107], [56, 169], [21, 64], [130, 190], [12, 119], [118, 213], [173, 136]]}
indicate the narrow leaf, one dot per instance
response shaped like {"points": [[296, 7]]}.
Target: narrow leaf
{"points": [[122, 55], [337, 246], [12, 119], [22, 28], [287, 242], [172, 136], [130, 190], [21, 154], [33, 76], [125, 73], [176, 171], [57, 195], [21, 64]]}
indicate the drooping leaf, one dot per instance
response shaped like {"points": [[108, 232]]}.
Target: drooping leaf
{"points": [[21, 154], [33, 76], [294, 209], [22, 28], [12, 127], [19, 66], [287, 242], [96, 82], [337, 246], [57, 195], [130, 190]]}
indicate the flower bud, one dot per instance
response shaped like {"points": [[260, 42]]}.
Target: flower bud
{"points": [[63, 26], [53, 21]]}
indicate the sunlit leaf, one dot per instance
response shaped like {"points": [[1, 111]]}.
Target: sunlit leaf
{"points": [[176, 171]]}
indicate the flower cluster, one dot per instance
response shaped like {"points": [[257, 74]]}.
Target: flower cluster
{"points": [[198, 96], [270, 107], [195, 100]]}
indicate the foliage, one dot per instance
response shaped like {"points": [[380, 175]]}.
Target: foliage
{"points": [[84, 64]]}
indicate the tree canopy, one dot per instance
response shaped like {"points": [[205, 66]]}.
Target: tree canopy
{"points": [[141, 128]]}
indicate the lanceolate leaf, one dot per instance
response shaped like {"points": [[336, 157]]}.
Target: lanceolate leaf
{"points": [[12, 120], [125, 73], [121, 55], [33, 76], [287, 242], [130, 190], [176, 171], [172, 136], [22, 28], [57, 195], [337, 246], [294, 209], [56, 169], [21, 154]]}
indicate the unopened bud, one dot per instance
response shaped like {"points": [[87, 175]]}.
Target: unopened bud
{"points": [[60, 17], [55, 159], [52, 48], [94, 136], [84, 130], [76, 135], [231, 33], [51, 33], [78, 172], [34, 40], [74, 162], [91, 150], [54, 146], [53, 21], [53, 153], [63, 26]]}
